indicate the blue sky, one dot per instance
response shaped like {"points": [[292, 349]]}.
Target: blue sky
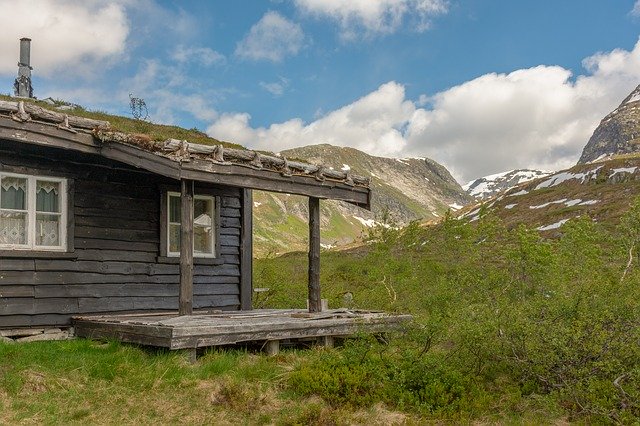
{"points": [[481, 86]]}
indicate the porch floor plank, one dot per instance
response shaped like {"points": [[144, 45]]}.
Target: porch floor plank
{"points": [[172, 331]]}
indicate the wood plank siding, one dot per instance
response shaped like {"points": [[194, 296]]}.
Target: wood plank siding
{"points": [[116, 264]]}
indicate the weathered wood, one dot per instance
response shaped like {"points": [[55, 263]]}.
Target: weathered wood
{"points": [[231, 202], [242, 176], [116, 254], [115, 290], [272, 347], [327, 341], [114, 222], [186, 248], [39, 113], [7, 291], [94, 243], [17, 264], [314, 255], [246, 251], [23, 320], [205, 170], [258, 160], [116, 234], [201, 330], [113, 200], [128, 303]]}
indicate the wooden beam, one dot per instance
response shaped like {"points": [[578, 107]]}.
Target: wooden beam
{"points": [[241, 176], [315, 303], [185, 306], [246, 251]]}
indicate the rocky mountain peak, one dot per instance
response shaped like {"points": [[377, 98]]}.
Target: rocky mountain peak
{"points": [[618, 133]]}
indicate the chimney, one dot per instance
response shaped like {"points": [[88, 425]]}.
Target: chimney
{"points": [[22, 85]]}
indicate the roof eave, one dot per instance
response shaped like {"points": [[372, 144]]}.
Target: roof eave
{"points": [[44, 134]]}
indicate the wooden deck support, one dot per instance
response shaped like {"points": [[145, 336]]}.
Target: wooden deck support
{"points": [[272, 347], [314, 255], [246, 251], [185, 306]]}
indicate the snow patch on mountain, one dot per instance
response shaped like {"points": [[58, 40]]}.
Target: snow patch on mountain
{"points": [[561, 177], [630, 170], [553, 225], [489, 186]]}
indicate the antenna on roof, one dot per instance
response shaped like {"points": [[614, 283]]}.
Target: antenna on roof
{"points": [[22, 86]]}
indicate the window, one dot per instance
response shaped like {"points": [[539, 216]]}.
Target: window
{"points": [[204, 235], [33, 212]]}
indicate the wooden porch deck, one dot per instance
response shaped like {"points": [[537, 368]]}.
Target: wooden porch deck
{"points": [[169, 330]]}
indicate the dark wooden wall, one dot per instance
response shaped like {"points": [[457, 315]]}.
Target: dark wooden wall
{"points": [[116, 264]]}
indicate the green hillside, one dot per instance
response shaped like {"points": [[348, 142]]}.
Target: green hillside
{"points": [[510, 326]]}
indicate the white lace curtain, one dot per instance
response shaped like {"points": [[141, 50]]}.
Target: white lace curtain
{"points": [[16, 183]]}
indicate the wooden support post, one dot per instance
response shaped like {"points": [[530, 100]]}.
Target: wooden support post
{"points": [[191, 354], [327, 341], [314, 255], [246, 251], [185, 306], [272, 347]]}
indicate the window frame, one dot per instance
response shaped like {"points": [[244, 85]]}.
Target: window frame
{"points": [[65, 213], [171, 257]]}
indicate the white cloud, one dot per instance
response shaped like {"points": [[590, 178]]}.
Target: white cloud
{"points": [[636, 9], [65, 33], [373, 123], [276, 88], [539, 117], [203, 55], [373, 17], [272, 38]]}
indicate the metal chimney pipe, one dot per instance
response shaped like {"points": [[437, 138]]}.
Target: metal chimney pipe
{"points": [[22, 86], [25, 52]]}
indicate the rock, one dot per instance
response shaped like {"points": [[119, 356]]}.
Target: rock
{"points": [[21, 332], [4, 339], [618, 133], [60, 335]]}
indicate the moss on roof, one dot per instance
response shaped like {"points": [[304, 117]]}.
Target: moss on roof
{"points": [[159, 132]]}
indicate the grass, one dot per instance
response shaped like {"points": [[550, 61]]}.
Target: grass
{"points": [[158, 132], [83, 382]]}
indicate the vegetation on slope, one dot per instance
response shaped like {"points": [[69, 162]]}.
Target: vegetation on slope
{"points": [[508, 323], [509, 327]]}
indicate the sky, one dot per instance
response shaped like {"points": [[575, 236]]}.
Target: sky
{"points": [[481, 86]]}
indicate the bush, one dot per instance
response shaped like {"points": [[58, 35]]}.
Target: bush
{"points": [[504, 320]]}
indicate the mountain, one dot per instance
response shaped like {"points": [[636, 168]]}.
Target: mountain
{"points": [[489, 186], [403, 190], [602, 191], [618, 133]]}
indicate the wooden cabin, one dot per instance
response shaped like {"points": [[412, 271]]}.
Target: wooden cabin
{"points": [[93, 221]]}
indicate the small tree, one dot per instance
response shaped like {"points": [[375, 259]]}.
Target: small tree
{"points": [[630, 230]]}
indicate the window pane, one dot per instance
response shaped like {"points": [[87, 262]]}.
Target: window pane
{"points": [[13, 193], [174, 209], [203, 206], [202, 225], [202, 241], [13, 228], [174, 238], [48, 196], [48, 230]]}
